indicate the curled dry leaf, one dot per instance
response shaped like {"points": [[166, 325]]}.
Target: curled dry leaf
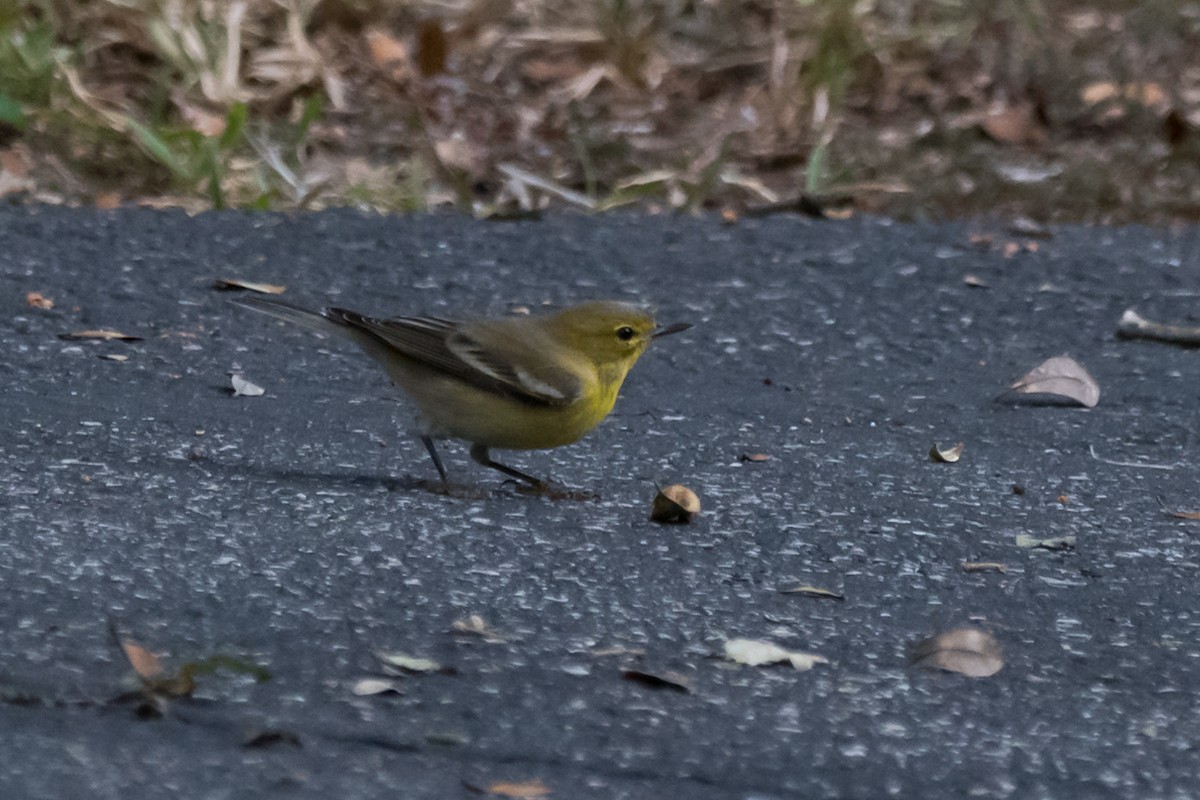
{"points": [[753, 458], [813, 591], [103, 334], [756, 653], [368, 687], [984, 566], [1061, 376], [38, 300], [408, 663], [947, 455], [968, 651], [675, 504], [1049, 543], [477, 626], [244, 388], [233, 284]]}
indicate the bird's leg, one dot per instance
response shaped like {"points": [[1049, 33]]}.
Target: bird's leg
{"points": [[479, 452], [437, 460]]}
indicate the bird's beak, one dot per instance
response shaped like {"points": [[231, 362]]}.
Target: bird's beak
{"points": [[678, 327]]}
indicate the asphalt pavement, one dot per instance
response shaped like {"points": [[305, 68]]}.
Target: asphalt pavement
{"points": [[280, 544]]}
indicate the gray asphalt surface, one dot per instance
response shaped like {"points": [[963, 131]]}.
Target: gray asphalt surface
{"points": [[290, 531]]}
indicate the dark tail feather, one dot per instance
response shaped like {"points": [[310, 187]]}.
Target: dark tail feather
{"points": [[314, 320]]}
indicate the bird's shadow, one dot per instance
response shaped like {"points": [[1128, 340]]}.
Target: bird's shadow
{"points": [[360, 481]]}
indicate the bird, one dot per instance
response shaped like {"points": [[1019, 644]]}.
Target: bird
{"points": [[522, 382]]}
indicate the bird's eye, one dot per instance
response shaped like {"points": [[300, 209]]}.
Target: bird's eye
{"points": [[625, 333]]}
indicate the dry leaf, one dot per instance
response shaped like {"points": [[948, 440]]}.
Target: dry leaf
{"points": [[38, 300], [813, 591], [1191, 515], [431, 49], [974, 281], [675, 504], [475, 624], [968, 651], [659, 680], [368, 687], [948, 455], [113, 357], [104, 334], [244, 388], [521, 790], [1061, 376], [1150, 95], [754, 458], [144, 663], [984, 566], [1049, 543], [231, 284], [408, 663], [755, 653], [388, 53], [1017, 125]]}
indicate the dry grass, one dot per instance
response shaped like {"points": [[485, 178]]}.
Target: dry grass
{"points": [[1058, 111]]}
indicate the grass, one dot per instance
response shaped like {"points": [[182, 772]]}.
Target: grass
{"points": [[1057, 111]]}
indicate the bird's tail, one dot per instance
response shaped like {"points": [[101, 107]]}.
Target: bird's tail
{"points": [[315, 320]]}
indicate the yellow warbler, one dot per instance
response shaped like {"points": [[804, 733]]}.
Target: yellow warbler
{"points": [[521, 383]]}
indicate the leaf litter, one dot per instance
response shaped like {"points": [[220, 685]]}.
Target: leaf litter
{"points": [[966, 650], [1061, 376], [757, 653]]}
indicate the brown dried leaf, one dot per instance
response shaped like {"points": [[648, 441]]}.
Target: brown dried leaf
{"points": [[107, 200], [1190, 515], [235, 284], [432, 47], [675, 504], [947, 455], [38, 300], [144, 663], [104, 334], [1017, 125], [754, 458], [1061, 376], [521, 790], [388, 53], [968, 651]]}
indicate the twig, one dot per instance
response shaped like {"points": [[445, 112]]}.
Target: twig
{"points": [[1096, 456], [1135, 326], [1174, 512]]}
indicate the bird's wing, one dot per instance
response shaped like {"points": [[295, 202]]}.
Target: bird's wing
{"points": [[448, 346]]}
